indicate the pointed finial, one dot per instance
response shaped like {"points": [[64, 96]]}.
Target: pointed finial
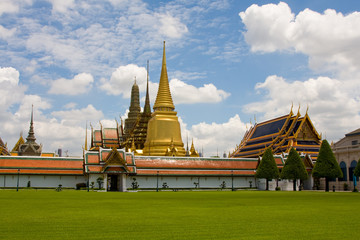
{"points": [[255, 118], [147, 108], [307, 109], [86, 137], [299, 110], [292, 105]]}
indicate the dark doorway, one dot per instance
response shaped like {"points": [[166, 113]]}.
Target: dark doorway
{"points": [[114, 183]]}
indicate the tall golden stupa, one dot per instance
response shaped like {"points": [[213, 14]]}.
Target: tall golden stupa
{"points": [[164, 134]]}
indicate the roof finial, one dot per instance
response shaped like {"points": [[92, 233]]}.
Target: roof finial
{"points": [[86, 137], [31, 135], [307, 109], [292, 105], [299, 109], [147, 108]]}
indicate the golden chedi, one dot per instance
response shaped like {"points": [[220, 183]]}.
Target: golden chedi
{"points": [[163, 134]]}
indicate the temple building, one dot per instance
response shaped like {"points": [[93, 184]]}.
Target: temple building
{"points": [[347, 153], [281, 134]]}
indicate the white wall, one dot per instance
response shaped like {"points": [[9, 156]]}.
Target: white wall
{"points": [[40, 181], [188, 182]]}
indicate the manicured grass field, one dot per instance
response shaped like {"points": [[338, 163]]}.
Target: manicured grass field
{"points": [[46, 214]]}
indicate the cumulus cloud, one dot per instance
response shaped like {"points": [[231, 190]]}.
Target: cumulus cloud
{"points": [[185, 93], [78, 116], [62, 5], [6, 33], [330, 39], [11, 91], [8, 6], [122, 80], [215, 138], [332, 109], [80, 84]]}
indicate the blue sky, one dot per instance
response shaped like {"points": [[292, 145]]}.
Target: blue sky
{"points": [[229, 62]]}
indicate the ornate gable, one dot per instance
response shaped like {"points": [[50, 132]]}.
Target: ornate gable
{"points": [[18, 143], [115, 160]]}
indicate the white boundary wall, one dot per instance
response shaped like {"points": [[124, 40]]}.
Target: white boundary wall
{"points": [[41, 181], [146, 182]]}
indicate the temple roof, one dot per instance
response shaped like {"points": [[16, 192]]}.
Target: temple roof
{"points": [[353, 133], [3, 148], [18, 143], [41, 165], [163, 99], [280, 134]]}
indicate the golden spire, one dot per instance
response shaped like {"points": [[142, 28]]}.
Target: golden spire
{"points": [[163, 99]]}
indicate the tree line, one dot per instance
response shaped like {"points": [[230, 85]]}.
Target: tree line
{"points": [[294, 169]]}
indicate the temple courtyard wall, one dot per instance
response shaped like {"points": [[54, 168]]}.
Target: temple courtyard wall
{"points": [[40, 181]]}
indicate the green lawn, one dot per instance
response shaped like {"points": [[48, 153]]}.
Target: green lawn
{"points": [[46, 214]]}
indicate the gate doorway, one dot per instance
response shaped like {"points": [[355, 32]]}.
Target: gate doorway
{"points": [[113, 183]]}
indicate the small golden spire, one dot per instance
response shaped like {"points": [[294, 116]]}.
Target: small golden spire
{"points": [[307, 109]]}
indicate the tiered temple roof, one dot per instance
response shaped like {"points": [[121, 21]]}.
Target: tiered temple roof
{"points": [[107, 137], [280, 134]]}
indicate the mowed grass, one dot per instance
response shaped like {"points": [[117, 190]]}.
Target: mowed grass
{"points": [[46, 214]]}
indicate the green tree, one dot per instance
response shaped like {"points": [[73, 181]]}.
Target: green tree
{"points": [[357, 169], [267, 168], [326, 165], [294, 168]]}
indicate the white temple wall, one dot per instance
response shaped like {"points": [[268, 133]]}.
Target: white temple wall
{"points": [[150, 182], [40, 181]]}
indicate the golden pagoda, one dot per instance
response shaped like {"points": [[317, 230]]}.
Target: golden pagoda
{"points": [[163, 132]]}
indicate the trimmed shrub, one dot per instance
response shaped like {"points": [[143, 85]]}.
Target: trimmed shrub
{"points": [[80, 185], [326, 165], [267, 168], [294, 168]]}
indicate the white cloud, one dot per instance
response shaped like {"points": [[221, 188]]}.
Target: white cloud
{"points": [[6, 33], [8, 6], [329, 39], [62, 5], [185, 93], [215, 138], [122, 80], [11, 91], [332, 110], [80, 84], [171, 26], [75, 117], [70, 105]]}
